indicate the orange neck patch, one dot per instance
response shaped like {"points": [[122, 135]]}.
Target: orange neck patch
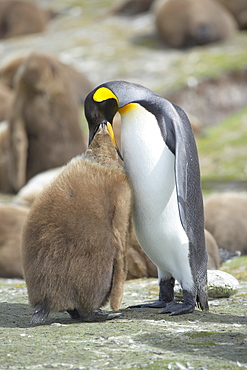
{"points": [[126, 108]]}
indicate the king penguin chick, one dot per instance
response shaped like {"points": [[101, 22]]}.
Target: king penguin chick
{"points": [[76, 237], [161, 160]]}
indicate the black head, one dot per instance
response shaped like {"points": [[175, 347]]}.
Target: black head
{"points": [[99, 112], [104, 101]]}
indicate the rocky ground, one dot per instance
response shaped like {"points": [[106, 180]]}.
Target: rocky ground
{"points": [[140, 338]]}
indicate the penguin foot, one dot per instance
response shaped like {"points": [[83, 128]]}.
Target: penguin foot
{"points": [[174, 308], [155, 304], [39, 315], [98, 315]]}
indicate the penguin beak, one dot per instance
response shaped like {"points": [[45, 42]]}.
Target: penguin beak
{"points": [[92, 133], [112, 135]]}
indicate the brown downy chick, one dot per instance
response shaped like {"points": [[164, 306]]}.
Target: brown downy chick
{"points": [[21, 17], [76, 237], [226, 219], [44, 123], [188, 23]]}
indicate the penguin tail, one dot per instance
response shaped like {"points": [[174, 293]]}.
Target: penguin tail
{"points": [[39, 315], [201, 285], [202, 301]]}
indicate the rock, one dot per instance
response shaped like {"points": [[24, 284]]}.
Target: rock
{"points": [[220, 285]]}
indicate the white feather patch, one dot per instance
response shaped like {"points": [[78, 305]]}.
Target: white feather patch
{"points": [[150, 166]]}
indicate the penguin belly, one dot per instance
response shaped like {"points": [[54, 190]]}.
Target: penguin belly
{"points": [[149, 164]]}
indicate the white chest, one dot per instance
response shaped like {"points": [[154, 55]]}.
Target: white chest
{"points": [[147, 159], [150, 166]]}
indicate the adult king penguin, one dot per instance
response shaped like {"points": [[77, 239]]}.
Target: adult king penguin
{"points": [[160, 158]]}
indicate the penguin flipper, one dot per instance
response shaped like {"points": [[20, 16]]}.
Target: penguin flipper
{"points": [[185, 151], [190, 202], [188, 182]]}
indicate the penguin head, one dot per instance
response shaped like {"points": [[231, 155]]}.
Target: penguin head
{"points": [[101, 105], [107, 99]]}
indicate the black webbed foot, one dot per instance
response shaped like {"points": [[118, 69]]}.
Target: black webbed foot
{"points": [[98, 315], [186, 306], [166, 295], [155, 304], [39, 315], [174, 308]]}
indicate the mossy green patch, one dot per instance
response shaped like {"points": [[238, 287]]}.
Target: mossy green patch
{"points": [[237, 267], [22, 285], [201, 334], [202, 344], [222, 150], [221, 292], [198, 336]]}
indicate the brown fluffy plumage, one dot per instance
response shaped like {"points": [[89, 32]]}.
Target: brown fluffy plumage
{"points": [[5, 185], [76, 236], [79, 83], [226, 220], [183, 23], [8, 71], [21, 17], [139, 264], [44, 124], [213, 251], [12, 219], [238, 8], [6, 99]]}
